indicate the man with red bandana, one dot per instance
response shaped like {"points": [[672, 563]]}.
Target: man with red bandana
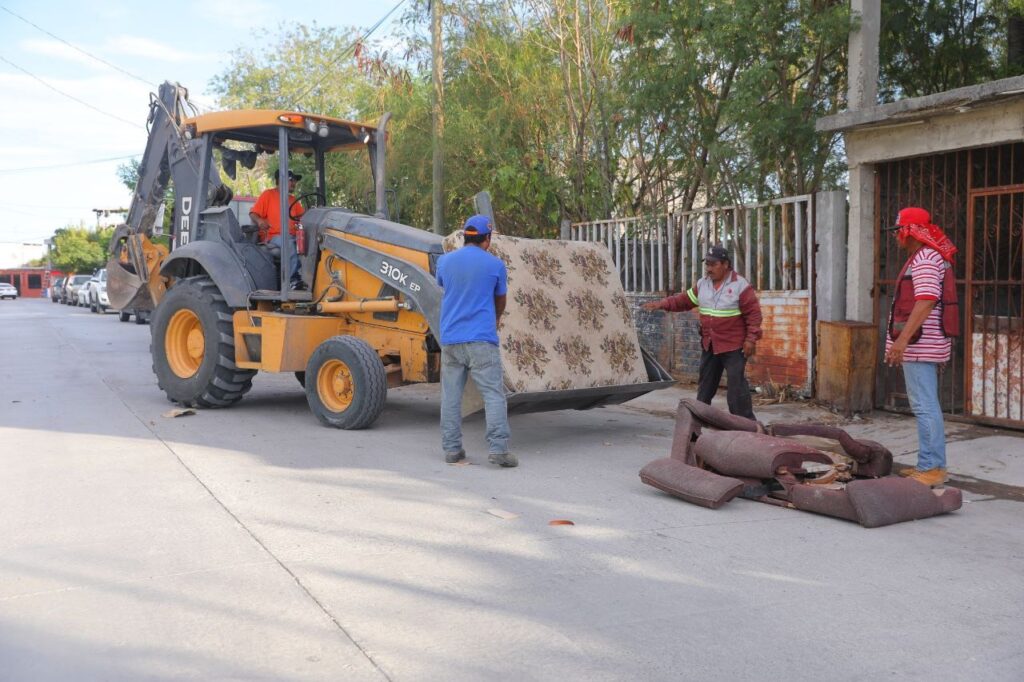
{"points": [[915, 337]]}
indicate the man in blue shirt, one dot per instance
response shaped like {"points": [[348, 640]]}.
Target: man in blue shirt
{"points": [[475, 285]]}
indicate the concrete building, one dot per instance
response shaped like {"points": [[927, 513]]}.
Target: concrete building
{"points": [[960, 155], [30, 282]]}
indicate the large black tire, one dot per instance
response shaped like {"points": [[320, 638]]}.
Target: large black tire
{"points": [[141, 317], [346, 385], [193, 346], [123, 316]]}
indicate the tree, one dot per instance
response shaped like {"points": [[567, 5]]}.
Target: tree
{"points": [[302, 68], [530, 101], [128, 174], [77, 249], [724, 96], [937, 45]]}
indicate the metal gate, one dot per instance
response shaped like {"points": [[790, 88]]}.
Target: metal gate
{"points": [[977, 197], [995, 305]]}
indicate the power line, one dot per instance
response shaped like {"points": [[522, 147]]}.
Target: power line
{"points": [[75, 47], [348, 50], [8, 204], [37, 214], [92, 56], [66, 165], [71, 97]]}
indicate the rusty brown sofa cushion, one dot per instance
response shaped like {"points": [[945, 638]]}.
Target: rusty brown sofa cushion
{"points": [[689, 483], [753, 455], [883, 501]]}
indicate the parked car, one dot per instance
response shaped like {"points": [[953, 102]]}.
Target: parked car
{"points": [[57, 289], [98, 301], [82, 295], [71, 287], [8, 291]]}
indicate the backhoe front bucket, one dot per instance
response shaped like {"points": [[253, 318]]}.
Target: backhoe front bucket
{"points": [[125, 289], [133, 279]]}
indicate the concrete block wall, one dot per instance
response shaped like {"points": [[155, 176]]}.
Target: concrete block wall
{"points": [[673, 338]]}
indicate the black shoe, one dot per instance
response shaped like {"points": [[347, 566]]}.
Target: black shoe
{"points": [[505, 459], [298, 285], [455, 457]]}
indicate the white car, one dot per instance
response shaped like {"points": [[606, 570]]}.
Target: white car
{"points": [[98, 301], [8, 291], [83, 294], [71, 286]]}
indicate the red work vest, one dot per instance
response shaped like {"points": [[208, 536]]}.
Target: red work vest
{"points": [[903, 302]]}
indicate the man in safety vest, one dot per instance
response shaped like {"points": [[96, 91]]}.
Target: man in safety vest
{"points": [[916, 337], [730, 326]]}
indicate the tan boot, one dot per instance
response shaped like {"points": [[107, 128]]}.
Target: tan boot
{"points": [[931, 478]]}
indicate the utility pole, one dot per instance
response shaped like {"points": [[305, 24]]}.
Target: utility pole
{"points": [[105, 213], [437, 115]]}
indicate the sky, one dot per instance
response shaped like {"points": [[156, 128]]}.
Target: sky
{"points": [[59, 153]]}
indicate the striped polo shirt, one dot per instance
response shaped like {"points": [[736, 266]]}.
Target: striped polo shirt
{"points": [[927, 268]]}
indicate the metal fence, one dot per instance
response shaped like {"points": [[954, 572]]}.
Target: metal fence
{"points": [[771, 244]]}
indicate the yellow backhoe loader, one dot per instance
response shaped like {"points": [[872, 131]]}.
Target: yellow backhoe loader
{"points": [[219, 311]]}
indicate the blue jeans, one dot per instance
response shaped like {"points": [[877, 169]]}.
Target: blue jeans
{"points": [[922, 380], [481, 361], [279, 243]]}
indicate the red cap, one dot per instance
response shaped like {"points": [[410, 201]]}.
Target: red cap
{"points": [[913, 216]]}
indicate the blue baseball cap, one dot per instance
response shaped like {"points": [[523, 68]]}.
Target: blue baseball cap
{"points": [[477, 225]]}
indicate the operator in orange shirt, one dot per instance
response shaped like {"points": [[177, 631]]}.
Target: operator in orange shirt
{"points": [[266, 215]]}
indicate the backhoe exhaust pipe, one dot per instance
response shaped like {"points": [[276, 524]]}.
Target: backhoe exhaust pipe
{"points": [[380, 141]]}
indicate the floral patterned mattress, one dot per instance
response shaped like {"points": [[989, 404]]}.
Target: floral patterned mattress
{"points": [[567, 323]]}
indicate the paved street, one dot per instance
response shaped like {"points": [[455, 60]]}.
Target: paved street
{"points": [[253, 543]]}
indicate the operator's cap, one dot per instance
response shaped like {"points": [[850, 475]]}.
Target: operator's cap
{"points": [[477, 225], [293, 176], [911, 215], [717, 253]]}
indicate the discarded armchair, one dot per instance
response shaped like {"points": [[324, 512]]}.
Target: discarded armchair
{"points": [[744, 458]]}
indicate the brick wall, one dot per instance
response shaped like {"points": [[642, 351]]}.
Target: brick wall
{"points": [[782, 355], [783, 352]]}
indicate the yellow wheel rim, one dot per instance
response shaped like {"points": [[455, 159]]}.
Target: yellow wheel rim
{"points": [[334, 385], [185, 343]]}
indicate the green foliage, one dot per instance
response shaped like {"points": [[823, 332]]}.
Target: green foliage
{"points": [[128, 173], [301, 68], [725, 96], [936, 45], [587, 109], [523, 118], [80, 250]]}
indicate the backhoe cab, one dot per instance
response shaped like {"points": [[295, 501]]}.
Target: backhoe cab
{"points": [[370, 317]]}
